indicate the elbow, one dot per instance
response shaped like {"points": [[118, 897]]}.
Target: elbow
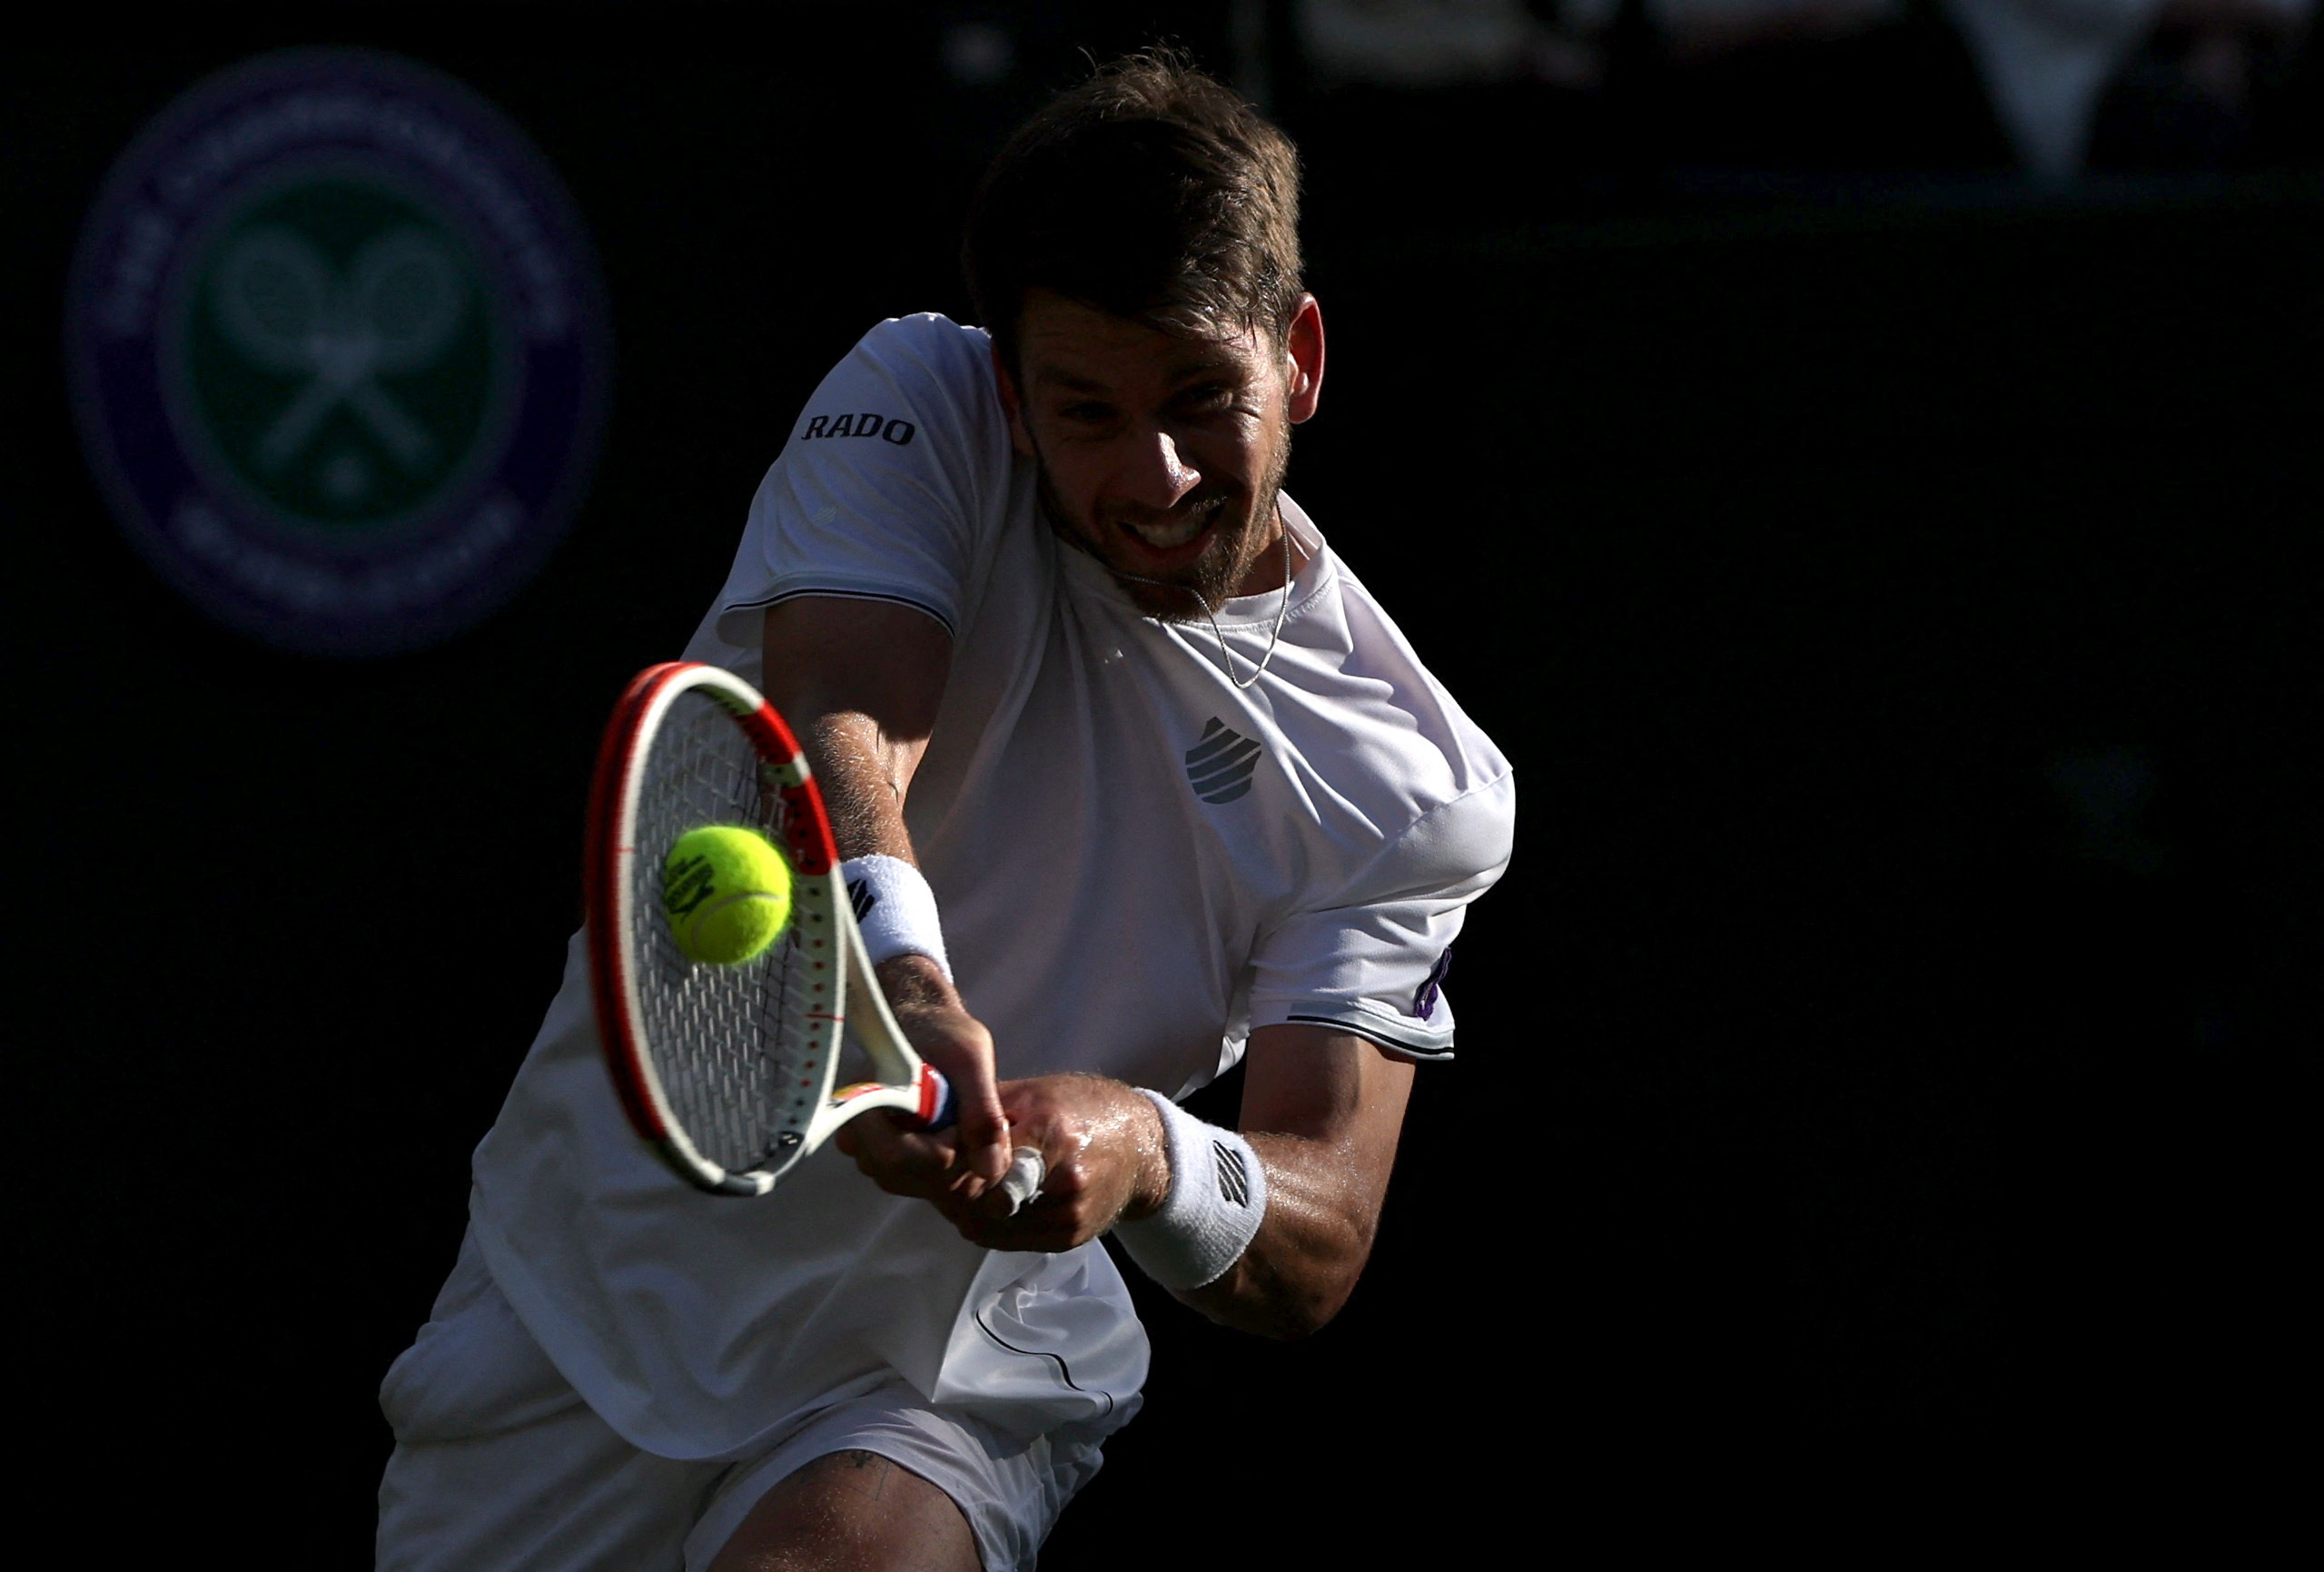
{"points": [[1306, 1315], [1283, 1306], [1279, 1318], [1305, 1301]]}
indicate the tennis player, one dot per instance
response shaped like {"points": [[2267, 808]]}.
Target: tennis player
{"points": [[1136, 779]]}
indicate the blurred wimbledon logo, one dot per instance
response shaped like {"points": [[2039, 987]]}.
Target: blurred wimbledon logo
{"points": [[339, 353], [337, 359]]}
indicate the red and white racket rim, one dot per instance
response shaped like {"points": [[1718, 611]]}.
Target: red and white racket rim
{"points": [[609, 884]]}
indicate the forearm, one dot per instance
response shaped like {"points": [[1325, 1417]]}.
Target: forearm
{"points": [[863, 773], [1277, 1256], [860, 682], [1278, 1252], [1312, 1245]]}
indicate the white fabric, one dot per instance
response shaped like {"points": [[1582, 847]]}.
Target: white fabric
{"points": [[1052, 812], [895, 909], [499, 1463], [1217, 1200], [695, 1324], [1127, 890]]}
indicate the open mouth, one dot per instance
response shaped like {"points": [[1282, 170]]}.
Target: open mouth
{"points": [[1164, 534], [1175, 534]]}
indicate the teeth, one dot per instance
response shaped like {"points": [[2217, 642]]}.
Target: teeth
{"points": [[1163, 536]]}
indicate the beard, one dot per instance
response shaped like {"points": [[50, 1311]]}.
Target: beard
{"points": [[1204, 585]]}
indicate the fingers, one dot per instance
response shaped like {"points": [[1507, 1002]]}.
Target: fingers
{"points": [[901, 1158], [1041, 1164], [1017, 1189], [1049, 1222], [957, 1044], [983, 1132], [1023, 1181]]}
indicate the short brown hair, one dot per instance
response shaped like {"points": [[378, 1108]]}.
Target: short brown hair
{"points": [[1149, 192]]}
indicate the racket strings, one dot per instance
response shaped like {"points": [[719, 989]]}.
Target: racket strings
{"points": [[738, 1049]]}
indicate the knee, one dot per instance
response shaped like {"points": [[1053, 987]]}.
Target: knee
{"points": [[852, 1511]]}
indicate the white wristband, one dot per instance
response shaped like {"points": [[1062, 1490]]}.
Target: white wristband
{"points": [[1218, 1193], [896, 910]]}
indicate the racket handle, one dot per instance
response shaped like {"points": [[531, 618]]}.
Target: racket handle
{"points": [[1022, 1182], [1026, 1170], [934, 1088]]}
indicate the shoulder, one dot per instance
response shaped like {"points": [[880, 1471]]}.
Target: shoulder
{"points": [[912, 385], [926, 354], [1419, 796], [935, 341], [1450, 812]]}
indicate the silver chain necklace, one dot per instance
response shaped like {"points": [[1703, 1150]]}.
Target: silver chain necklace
{"points": [[1226, 657]]}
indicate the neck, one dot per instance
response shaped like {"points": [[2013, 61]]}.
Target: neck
{"points": [[1277, 562]]}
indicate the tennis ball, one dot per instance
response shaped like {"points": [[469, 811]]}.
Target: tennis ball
{"points": [[727, 892]]}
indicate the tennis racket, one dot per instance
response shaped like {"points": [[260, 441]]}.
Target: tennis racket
{"points": [[727, 1072]]}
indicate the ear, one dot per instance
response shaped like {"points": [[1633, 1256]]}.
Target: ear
{"points": [[1010, 405], [1303, 353]]}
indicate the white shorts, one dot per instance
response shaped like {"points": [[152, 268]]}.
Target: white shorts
{"points": [[500, 1466]]}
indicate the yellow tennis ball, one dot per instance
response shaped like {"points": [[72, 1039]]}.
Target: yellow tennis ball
{"points": [[727, 892]]}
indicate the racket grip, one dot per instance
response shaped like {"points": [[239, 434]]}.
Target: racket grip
{"points": [[1026, 1170], [1022, 1182], [936, 1091]]}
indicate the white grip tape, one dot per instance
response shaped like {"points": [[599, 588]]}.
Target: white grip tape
{"points": [[1021, 1184], [895, 909], [1218, 1193]]}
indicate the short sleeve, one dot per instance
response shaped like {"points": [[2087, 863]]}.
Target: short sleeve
{"points": [[1372, 961], [892, 480]]}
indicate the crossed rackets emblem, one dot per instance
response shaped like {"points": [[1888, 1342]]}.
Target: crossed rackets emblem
{"points": [[392, 311]]}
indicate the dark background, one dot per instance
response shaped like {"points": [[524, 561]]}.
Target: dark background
{"points": [[1849, 1085]]}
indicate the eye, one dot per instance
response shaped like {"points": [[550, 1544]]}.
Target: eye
{"points": [[1085, 411]]}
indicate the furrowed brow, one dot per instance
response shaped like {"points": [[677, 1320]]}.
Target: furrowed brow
{"points": [[1068, 380], [1207, 367]]}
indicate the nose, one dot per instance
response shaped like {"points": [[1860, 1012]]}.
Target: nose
{"points": [[1154, 473]]}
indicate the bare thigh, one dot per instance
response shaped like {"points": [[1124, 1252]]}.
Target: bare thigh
{"points": [[852, 1512]]}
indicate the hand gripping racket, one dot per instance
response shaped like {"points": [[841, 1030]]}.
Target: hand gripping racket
{"points": [[727, 1070]]}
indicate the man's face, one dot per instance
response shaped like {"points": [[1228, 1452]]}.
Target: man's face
{"points": [[1161, 455]]}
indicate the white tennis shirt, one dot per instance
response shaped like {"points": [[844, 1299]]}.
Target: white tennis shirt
{"points": [[1137, 864]]}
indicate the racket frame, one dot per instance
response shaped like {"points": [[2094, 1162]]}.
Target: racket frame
{"points": [[818, 901]]}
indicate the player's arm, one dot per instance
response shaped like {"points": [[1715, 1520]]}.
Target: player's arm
{"points": [[860, 681], [1322, 1111]]}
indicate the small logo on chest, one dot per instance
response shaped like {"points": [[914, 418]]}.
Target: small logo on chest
{"points": [[1219, 767]]}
